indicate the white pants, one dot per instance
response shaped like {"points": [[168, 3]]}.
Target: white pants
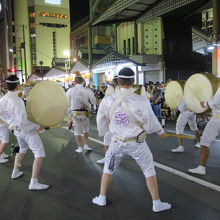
{"points": [[107, 138], [30, 140], [212, 130], [81, 125], [184, 118], [140, 152], [4, 133]]}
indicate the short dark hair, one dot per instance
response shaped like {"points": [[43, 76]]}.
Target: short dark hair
{"points": [[79, 80], [125, 82], [12, 86]]}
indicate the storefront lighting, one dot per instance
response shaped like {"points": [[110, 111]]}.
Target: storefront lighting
{"points": [[102, 69], [11, 50], [66, 53]]}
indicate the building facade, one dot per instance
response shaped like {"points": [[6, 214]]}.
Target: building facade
{"points": [[42, 32]]}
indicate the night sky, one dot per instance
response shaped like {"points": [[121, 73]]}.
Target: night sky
{"points": [[79, 9]]}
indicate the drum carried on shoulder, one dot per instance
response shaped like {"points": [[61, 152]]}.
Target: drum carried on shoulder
{"points": [[200, 87], [47, 104], [173, 93]]}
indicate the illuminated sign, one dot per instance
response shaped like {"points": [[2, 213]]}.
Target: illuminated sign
{"points": [[52, 15], [53, 2], [0, 7]]}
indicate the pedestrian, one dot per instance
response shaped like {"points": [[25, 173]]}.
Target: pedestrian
{"points": [[129, 118]]}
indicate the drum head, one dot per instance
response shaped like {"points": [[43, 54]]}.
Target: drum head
{"points": [[198, 88], [47, 104], [174, 93]]}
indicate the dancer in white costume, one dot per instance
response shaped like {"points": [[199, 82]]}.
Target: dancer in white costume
{"points": [[14, 114], [108, 135], [186, 116], [129, 117], [4, 139], [80, 100], [212, 130]]}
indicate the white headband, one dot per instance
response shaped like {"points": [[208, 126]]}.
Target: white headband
{"points": [[8, 81], [126, 77]]}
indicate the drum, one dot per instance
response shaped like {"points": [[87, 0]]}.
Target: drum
{"points": [[47, 104], [200, 87], [173, 93]]}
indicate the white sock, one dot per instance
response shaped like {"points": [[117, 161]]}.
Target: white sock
{"points": [[34, 181], [159, 206], [102, 196], [86, 145]]}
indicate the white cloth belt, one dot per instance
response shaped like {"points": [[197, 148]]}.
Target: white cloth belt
{"points": [[216, 116], [79, 113], [124, 140]]}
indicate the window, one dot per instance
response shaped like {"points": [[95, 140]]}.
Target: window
{"points": [[53, 2], [129, 46], [54, 44]]}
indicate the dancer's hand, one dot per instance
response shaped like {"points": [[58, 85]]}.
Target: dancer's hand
{"points": [[202, 104]]}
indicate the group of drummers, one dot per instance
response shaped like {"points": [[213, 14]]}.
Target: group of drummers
{"points": [[124, 118]]}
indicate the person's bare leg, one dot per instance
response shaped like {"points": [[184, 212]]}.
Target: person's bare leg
{"points": [[180, 141], [37, 164], [17, 164], [34, 184], [2, 147], [152, 187], [105, 184], [79, 140], [158, 206], [86, 137], [204, 154], [203, 157], [197, 134]]}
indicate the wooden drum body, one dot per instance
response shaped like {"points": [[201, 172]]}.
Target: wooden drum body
{"points": [[174, 93], [46, 104]]}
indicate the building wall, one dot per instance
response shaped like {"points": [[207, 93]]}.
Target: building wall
{"points": [[44, 34], [41, 19], [150, 37]]}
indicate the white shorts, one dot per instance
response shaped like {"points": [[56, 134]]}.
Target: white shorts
{"points": [[212, 130], [107, 138], [81, 125], [4, 133], [140, 152], [31, 140], [184, 118]]}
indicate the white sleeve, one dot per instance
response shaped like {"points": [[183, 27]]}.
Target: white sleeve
{"points": [[102, 119], [215, 101], [21, 117], [150, 121], [92, 98]]}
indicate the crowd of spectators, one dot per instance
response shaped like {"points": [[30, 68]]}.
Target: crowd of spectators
{"points": [[155, 94]]}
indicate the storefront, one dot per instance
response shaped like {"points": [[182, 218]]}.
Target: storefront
{"points": [[108, 67]]}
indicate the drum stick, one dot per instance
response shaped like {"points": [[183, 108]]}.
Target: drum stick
{"points": [[181, 136]]}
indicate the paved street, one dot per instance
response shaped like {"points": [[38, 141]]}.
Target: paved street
{"points": [[75, 179]]}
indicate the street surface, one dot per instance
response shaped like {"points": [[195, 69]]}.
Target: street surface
{"points": [[75, 180]]}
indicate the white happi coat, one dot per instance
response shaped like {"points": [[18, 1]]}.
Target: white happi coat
{"points": [[80, 98], [13, 112], [186, 116], [212, 129], [4, 132], [121, 124]]}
